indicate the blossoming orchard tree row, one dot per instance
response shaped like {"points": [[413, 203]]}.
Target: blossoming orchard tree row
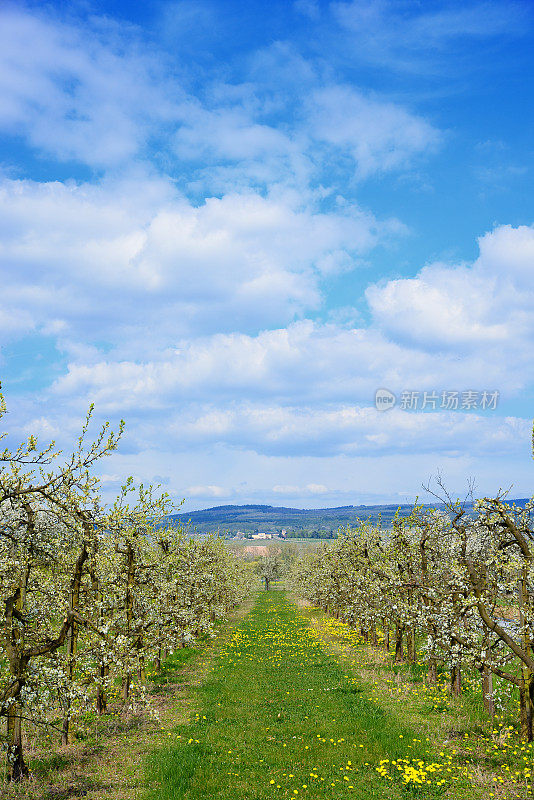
{"points": [[90, 596], [456, 585]]}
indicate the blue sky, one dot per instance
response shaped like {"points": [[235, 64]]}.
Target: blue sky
{"points": [[230, 223]]}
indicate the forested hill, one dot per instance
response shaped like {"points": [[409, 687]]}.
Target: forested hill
{"points": [[303, 521], [272, 518]]}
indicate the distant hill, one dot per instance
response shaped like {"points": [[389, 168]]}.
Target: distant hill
{"points": [[313, 522]]}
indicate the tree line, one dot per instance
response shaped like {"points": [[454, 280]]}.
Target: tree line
{"points": [[454, 587], [92, 594]]}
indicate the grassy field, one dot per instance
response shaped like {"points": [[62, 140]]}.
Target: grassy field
{"points": [[467, 753], [285, 713], [289, 703], [278, 717]]}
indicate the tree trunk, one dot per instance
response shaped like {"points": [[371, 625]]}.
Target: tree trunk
{"points": [[373, 637], [157, 662], [410, 642], [16, 767], [130, 563], [66, 732], [19, 660], [432, 671], [101, 699], [103, 670], [526, 692], [386, 636], [141, 666], [72, 646], [487, 691], [456, 680], [526, 706], [267, 581], [399, 652]]}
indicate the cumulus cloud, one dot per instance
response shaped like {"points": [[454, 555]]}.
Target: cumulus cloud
{"points": [[441, 306], [239, 145], [488, 304], [348, 430], [309, 361], [97, 95], [85, 94], [102, 261], [351, 479], [418, 327]]}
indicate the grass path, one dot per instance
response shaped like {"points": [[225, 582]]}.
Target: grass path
{"points": [[280, 716]]}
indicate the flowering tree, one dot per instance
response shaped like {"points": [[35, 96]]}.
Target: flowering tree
{"points": [[458, 583], [89, 596], [497, 553], [45, 544]]}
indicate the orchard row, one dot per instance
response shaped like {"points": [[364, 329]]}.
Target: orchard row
{"points": [[454, 586], [92, 595]]}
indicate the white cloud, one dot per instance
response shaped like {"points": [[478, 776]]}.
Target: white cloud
{"points": [[184, 300], [380, 136], [321, 431], [355, 470], [207, 491], [15, 322], [422, 38], [486, 305], [87, 259], [85, 94], [441, 306], [228, 134], [307, 361], [238, 145], [96, 94], [349, 430], [508, 252], [308, 388], [310, 489], [419, 328], [316, 488], [357, 479]]}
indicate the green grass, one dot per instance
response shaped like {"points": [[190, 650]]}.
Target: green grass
{"points": [[280, 716], [172, 667]]}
